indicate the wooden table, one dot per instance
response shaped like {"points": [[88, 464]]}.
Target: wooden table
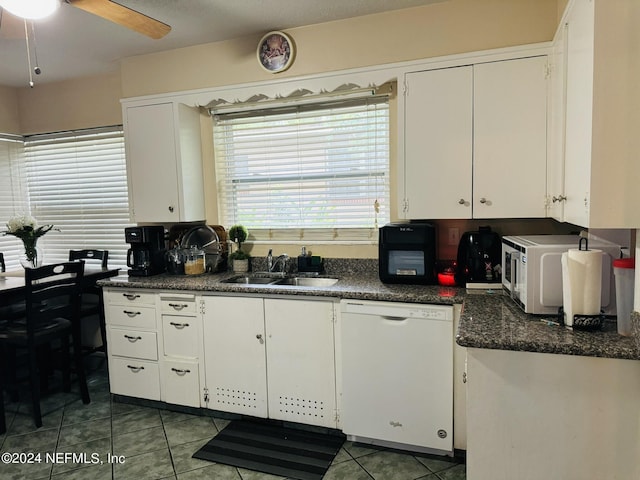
{"points": [[12, 285]]}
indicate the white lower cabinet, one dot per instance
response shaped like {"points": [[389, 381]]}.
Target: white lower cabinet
{"points": [[235, 362], [134, 378], [181, 382], [181, 349], [271, 358], [154, 345], [132, 343]]}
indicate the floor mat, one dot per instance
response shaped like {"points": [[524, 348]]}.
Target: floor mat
{"points": [[274, 449]]}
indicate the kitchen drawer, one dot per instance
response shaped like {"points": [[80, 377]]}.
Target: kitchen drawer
{"points": [[134, 378], [129, 297], [180, 336], [131, 316], [178, 304], [181, 383], [133, 343]]}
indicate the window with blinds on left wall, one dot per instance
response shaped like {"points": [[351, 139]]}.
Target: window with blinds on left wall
{"points": [[76, 181]]}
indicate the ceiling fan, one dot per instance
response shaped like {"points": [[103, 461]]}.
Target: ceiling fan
{"points": [[113, 12]]}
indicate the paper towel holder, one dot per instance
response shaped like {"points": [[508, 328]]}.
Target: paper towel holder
{"points": [[583, 322], [586, 243]]}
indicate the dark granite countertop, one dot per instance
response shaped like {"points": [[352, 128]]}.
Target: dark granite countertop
{"points": [[493, 321], [360, 286], [489, 320]]}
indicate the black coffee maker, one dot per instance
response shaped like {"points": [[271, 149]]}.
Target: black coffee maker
{"points": [[479, 257], [146, 255]]}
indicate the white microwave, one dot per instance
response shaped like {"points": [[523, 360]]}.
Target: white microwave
{"points": [[532, 272]]}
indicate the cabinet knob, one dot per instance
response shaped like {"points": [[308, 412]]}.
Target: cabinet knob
{"points": [[461, 201], [483, 200], [171, 208], [559, 198], [259, 337]]}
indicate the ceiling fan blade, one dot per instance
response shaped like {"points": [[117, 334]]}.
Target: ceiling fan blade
{"points": [[123, 16]]}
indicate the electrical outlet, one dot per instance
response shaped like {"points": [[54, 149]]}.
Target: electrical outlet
{"points": [[454, 236]]}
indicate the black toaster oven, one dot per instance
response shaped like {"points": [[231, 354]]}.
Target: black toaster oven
{"points": [[407, 253]]}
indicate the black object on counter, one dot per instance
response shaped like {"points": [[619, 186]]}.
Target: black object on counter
{"points": [[407, 253], [479, 255], [146, 255]]}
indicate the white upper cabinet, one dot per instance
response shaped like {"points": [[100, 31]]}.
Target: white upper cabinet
{"points": [[475, 141], [164, 163], [557, 97], [602, 114], [510, 138], [438, 143]]}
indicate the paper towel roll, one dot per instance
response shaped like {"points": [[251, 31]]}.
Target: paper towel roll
{"points": [[581, 283]]}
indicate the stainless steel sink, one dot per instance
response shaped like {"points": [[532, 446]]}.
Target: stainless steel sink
{"points": [[307, 281], [250, 280]]}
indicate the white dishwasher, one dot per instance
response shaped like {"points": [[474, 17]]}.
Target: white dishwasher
{"points": [[397, 375]]}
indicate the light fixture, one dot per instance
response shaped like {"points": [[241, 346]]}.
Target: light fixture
{"points": [[30, 9]]}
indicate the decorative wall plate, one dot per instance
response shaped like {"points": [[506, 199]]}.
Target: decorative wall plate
{"points": [[275, 52]]}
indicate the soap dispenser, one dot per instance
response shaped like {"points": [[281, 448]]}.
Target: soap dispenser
{"points": [[302, 260]]}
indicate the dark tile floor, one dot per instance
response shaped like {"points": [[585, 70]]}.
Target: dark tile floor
{"points": [[123, 441]]}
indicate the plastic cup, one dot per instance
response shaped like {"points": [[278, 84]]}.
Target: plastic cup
{"points": [[624, 271]]}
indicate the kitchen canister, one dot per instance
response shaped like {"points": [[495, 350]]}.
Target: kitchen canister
{"points": [[624, 272], [582, 285]]}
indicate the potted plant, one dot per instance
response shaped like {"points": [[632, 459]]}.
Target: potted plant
{"points": [[239, 258]]}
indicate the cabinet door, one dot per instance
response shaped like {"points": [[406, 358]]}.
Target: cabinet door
{"points": [[234, 347], [555, 165], [579, 112], [151, 163], [438, 144], [510, 138], [301, 361], [180, 383]]}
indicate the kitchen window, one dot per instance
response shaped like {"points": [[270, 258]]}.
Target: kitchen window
{"points": [[313, 171], [76, 181]]}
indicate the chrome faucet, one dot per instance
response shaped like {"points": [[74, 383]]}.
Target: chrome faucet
{"points": [[272, 264]]}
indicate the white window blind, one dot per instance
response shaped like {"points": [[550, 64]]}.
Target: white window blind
{"points": [[13, 195], [77, 181], [317, 171]]}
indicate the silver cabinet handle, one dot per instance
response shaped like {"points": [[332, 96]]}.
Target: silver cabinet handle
{"points": [[259, 337], [179, 326], [461, 201], [483, 200], [134, 369], [395, 424], [129, 313], [178, 306], [180, 372], [171, 208], [132, 339], [130, 296]]}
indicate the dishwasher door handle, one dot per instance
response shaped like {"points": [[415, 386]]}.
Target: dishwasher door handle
{"points": [[393, 318]]}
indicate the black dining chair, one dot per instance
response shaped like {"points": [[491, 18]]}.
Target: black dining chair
{"points": [[92, 300], [52, 301], [11, 310]]}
